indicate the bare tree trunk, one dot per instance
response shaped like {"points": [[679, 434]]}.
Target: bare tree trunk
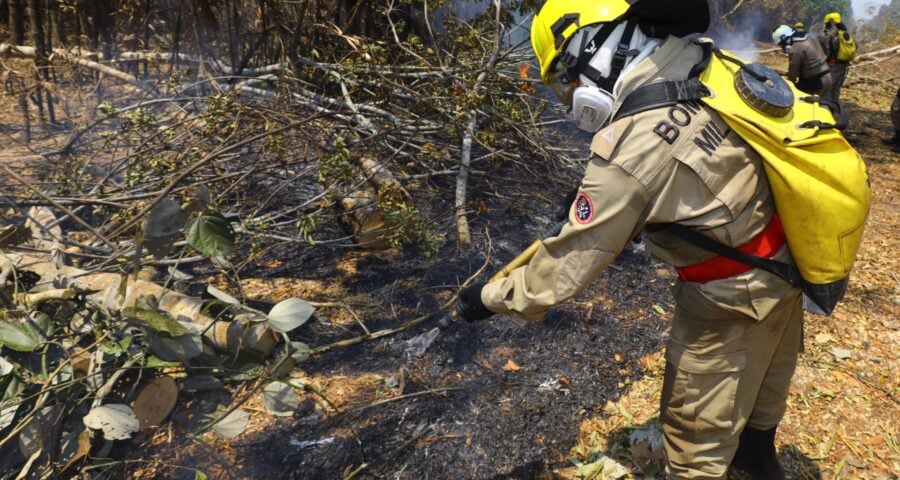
{"points": [[17, 15], [4, 13], [26, 117], [41, 61], [176, 34], [234, 36], [60, 22], [146, 31]]}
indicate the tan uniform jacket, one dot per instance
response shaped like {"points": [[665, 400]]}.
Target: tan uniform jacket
{"points": [[807, 60], [670, 165]]}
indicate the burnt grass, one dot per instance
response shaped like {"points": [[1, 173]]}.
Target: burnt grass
{"points": [[496, 422]]}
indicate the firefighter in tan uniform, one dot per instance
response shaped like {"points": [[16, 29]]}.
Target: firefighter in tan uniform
{"points": [[807, 66], [736, 331]]}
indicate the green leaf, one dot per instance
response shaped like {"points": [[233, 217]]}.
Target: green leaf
{"points": [[161, 247], [220, 295], [198, 475], [233, 424], [197, 383], [289, 314], [11, 391], [601, 466], [158, 321], [181, 348], [211, 235], [116, 347], [250, 371], [201, 201], [280, 399], [166, 218], [660, 310], [155, 362], [164, 227], [5, 367], [21, 335], [300, 351]]}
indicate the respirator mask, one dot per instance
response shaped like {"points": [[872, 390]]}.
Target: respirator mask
{"points": [[586, 74]]}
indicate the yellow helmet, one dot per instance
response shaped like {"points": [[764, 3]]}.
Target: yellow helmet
{"points": [[832, 17], [558, 20], [799, 26]]}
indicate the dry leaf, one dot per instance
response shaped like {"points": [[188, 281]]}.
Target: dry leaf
{"points": [[840, 353], [648, 361], [155, 401], [823, 338], [511, 366]]}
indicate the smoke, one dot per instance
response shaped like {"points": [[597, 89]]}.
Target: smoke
{"points": [[740, 39], [865, 10]]}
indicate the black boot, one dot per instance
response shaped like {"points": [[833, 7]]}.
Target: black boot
{"points": [[756, 455]]}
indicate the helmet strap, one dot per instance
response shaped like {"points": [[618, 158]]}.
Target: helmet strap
{"points": [[575, 64], [620, 57]]}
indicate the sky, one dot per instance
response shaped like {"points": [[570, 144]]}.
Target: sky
{"points": [[866, 9]]}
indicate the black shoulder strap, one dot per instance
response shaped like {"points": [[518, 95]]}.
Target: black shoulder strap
{"points": [[662, 94], [665, 94]]}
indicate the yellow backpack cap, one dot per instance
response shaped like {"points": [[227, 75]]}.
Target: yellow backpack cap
{"points": [[558, 20]]}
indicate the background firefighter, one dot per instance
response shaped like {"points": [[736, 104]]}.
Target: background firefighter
{"points": [[831, 43], [807, 67]]}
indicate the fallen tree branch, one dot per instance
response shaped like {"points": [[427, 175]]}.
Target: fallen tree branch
{"points": [[21, 51], [879, 55]]}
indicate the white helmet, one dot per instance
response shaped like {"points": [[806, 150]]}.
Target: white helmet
{"points": [[781, 34]]}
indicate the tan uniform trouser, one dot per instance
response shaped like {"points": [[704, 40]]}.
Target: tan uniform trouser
{"points": [[838, 75], [724, 371]]}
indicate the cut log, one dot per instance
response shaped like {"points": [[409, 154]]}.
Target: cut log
{"points": [[250, 331]]}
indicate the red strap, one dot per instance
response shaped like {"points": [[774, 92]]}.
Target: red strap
{"points": [[766, 244]]}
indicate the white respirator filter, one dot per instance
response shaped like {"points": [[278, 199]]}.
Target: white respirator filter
{"points": [[591, 108]]}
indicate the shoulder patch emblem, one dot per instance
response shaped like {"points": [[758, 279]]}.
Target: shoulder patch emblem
{"points": [[584, 208]]}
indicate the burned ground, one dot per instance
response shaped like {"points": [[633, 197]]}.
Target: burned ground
{"points": [[508, 399]]}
